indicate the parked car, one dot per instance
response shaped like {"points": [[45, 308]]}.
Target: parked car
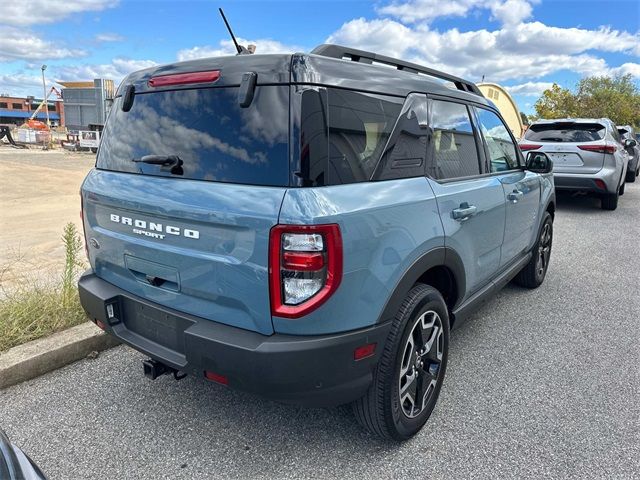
{"points": [[630, 144], [15, 464], [308, 226], [587, 155]]}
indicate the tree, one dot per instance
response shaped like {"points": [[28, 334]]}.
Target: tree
{"points": [[617, 98], [556, 102]]}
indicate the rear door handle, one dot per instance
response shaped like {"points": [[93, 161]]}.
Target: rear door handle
{"points": [[464, 211], [515, 196]]}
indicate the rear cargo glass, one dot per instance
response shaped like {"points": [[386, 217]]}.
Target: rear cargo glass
{"points": [[215, 138], [566, 132]]}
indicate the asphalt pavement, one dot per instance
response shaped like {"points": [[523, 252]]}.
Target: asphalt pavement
{"points": [[540, 384]]}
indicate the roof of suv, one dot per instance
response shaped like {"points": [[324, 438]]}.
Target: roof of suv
{"points": [[572, 120], [355, 69]]}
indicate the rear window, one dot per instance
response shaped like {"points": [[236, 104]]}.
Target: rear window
{"points": [[215, 138], [565, 132], [359, 127]]}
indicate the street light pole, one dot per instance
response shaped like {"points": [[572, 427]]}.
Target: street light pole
{"points": [[44, 98]]}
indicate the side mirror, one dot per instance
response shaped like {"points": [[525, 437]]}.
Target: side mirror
{"points": [[630, 142], [539, 162]]}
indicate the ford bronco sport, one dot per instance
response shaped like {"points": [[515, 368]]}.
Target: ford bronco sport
{"points": [[308, 226]]}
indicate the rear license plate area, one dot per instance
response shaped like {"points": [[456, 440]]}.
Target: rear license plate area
{"points": [[155, 324], [566, 159]]}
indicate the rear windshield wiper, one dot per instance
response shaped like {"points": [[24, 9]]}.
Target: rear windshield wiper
{"points": [[164, 160]]}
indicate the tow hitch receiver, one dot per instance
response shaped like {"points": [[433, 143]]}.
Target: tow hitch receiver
{"points": [[154, 369]]}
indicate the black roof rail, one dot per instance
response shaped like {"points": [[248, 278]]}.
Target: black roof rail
{"points": [[362, 56]]}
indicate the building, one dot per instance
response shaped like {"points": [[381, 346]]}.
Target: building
{"points": [[506, 105], [86, 104], [17, 110]]}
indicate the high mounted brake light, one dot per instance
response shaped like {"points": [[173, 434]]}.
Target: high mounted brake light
{"points": [[603, 148], [185, 78], [305, 267]]}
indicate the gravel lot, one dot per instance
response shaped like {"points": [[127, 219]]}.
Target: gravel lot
{"points": [[539, 384], [39, 195]]}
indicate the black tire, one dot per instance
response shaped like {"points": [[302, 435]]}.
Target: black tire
{"points": [[610, 201], [534, 272], [381, 410], [621, 189], [631, 176]]}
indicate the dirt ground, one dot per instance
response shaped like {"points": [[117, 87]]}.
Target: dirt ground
{"points": [[39, 195]]}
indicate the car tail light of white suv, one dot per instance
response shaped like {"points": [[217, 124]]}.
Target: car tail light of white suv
{"points": [[305, 267]]}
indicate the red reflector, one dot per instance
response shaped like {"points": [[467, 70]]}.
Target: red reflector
{"points": [[528, 146], [598, 148], [364, 351], [101, 325], [184, 78], [600, 184], [302, 261], [216, 377]]}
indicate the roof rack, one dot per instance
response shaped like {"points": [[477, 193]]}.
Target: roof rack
{"points": [[362, 56]]}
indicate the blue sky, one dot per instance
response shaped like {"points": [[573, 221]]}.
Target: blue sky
{"points": [[522, 44]]}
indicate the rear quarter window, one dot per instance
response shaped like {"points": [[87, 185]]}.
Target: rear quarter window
{"points": [[565, 132], [216, 139]]}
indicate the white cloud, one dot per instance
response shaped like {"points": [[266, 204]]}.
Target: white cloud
{"points": [[226, 47], [632, 69], [524, 51], [20, 44], [32, 12], [20, 84], [510, 12], [116, 70], [108, 37], [427, 10], [529, 89]]}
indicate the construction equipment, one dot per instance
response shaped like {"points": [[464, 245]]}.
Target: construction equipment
{"points": [[37, 124]]}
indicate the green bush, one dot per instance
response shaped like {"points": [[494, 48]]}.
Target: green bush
{"points": [[36, 307]]}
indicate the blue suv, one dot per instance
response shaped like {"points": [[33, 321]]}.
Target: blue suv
{"points": [[308, 227]]}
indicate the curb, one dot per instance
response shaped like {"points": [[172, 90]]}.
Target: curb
{"points": [[38, 357]]}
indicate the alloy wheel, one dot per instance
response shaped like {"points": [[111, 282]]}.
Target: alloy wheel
{"points": [[544, 250], [420, 365]]}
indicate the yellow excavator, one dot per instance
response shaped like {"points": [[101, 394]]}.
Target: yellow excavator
{"points": [[37, 124]]}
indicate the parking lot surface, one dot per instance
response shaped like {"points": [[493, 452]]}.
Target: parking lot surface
{"points": [[542, 383]]}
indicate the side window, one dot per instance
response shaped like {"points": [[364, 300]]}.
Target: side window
{"points": [[453, 144], [359, 127], [501, 150], [404, 156]]}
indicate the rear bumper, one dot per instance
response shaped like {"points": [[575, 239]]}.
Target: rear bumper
{"points": [[310, 370], [587, 182]]}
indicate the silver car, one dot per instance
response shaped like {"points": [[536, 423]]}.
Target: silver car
{"points": [[587, 155], [630, 144]]}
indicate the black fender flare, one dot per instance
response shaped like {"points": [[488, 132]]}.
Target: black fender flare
{"points": [[437, 257]]}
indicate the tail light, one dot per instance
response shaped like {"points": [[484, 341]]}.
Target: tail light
{"points": [[528, 146], [305, 267], [602, 148]]}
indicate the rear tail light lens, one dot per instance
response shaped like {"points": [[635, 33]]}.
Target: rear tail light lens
{"points": [[184, 78], [528, 146], [305, 267], [598, 148]]}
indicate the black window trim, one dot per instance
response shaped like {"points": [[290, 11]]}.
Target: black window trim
{"points": [[379, 166], [519, 155], [479, 151]]}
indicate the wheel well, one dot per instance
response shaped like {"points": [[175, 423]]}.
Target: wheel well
{"points": [[551, 208], [442, 279]]}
